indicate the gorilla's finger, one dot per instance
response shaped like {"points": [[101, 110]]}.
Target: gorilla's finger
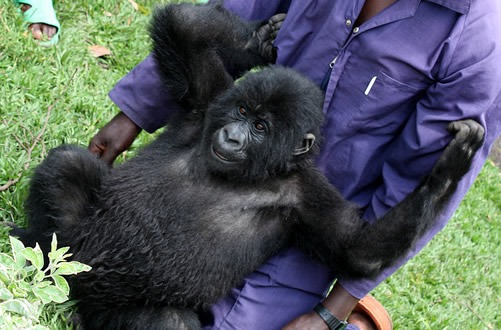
{"points": [[278, 18]]}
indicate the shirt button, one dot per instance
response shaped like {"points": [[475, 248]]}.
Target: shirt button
{"points": [[356, 29], [348, 22]]}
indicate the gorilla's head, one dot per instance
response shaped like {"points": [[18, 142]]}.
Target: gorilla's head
{"points": [[266, 125]]}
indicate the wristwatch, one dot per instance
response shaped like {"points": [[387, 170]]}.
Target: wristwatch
{"points": [[332, 322]]}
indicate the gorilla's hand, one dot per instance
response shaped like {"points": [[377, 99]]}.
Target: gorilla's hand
{"points": [[265, 35], [114, 138], [457, 157]]}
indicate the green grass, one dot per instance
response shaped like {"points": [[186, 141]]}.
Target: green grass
{"points": [[455, 282], [50, 96]]}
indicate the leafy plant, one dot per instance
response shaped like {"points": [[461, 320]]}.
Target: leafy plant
{"points": [[27, 288]]}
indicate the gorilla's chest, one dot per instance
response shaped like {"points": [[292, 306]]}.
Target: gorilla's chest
{"points": [[225, 215], [224, 211], [231, 207]]}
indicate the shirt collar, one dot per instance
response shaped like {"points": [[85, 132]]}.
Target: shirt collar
{"points": [[461, 6]]}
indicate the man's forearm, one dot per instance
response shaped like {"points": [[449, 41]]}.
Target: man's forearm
{"points": [[340, 302]]}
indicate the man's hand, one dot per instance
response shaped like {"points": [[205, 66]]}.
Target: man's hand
{"points": [[114, 138], [339, 302]]}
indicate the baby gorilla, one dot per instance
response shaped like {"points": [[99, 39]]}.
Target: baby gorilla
{"points": [[175, 228], [229, 184]]}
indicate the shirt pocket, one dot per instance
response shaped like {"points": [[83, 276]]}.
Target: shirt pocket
{"points": [[386, 105]]}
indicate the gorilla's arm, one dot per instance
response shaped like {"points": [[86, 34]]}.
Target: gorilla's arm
{"points": [[332, 229], [201, 49]]}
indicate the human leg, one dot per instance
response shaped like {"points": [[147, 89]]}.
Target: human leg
{"points": [[287, 286], [260, 304]]}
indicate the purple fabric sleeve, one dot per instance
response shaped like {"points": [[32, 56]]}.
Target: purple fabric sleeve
{"points": [[470, 88], [257, 10], [143, 98]]}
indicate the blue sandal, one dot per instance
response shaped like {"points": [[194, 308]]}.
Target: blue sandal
{"points": [[41, 12]]}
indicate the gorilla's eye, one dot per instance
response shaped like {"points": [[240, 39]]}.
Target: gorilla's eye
{"points": [[242, 111], [260, 126]]}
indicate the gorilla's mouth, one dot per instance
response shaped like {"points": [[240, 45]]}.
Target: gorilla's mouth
{"points": [[218, 155], [222, 158]]}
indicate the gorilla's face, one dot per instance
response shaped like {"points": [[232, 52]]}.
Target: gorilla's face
{"points": [[240, 145], [263, 126], [230, 142]]}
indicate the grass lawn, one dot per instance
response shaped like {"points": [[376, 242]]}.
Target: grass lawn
{"points": [[50, 96]]}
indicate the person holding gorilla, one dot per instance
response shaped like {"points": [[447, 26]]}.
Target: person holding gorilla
{"points": [[395, 73]]}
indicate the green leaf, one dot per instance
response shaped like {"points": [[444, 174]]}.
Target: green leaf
{"points": [[53, 243], [44, 284], [50, 293], [71, 268], [5, 294], [58, 255], [61, 283], [5, 274], [18, 306], [41, 294], [7, 260], [20, 289], [17, 248], [57, 294], [39, 276], [28, 269], [35, 256]]}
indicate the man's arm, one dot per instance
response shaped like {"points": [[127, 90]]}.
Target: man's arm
{"points": [[339, 302], [469, 86], [144, 104]]}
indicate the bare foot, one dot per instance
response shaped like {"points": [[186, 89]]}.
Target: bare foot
{"points": [[39, 31]]}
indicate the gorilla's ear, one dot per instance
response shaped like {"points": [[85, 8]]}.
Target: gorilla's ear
{"points": [[306, 145]]}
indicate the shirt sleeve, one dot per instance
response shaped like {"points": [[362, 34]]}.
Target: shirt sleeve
{"points": [[141, 94], [469, 87], [255, 10]]}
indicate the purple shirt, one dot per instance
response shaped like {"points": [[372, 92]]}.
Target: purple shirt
{"points": [[395, 84]]}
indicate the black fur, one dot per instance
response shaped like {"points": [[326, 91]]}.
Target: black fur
{"points": [[205, 47], [175, 228]]}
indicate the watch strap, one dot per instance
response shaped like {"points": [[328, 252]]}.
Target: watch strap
{"points": [[332, 322]]}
